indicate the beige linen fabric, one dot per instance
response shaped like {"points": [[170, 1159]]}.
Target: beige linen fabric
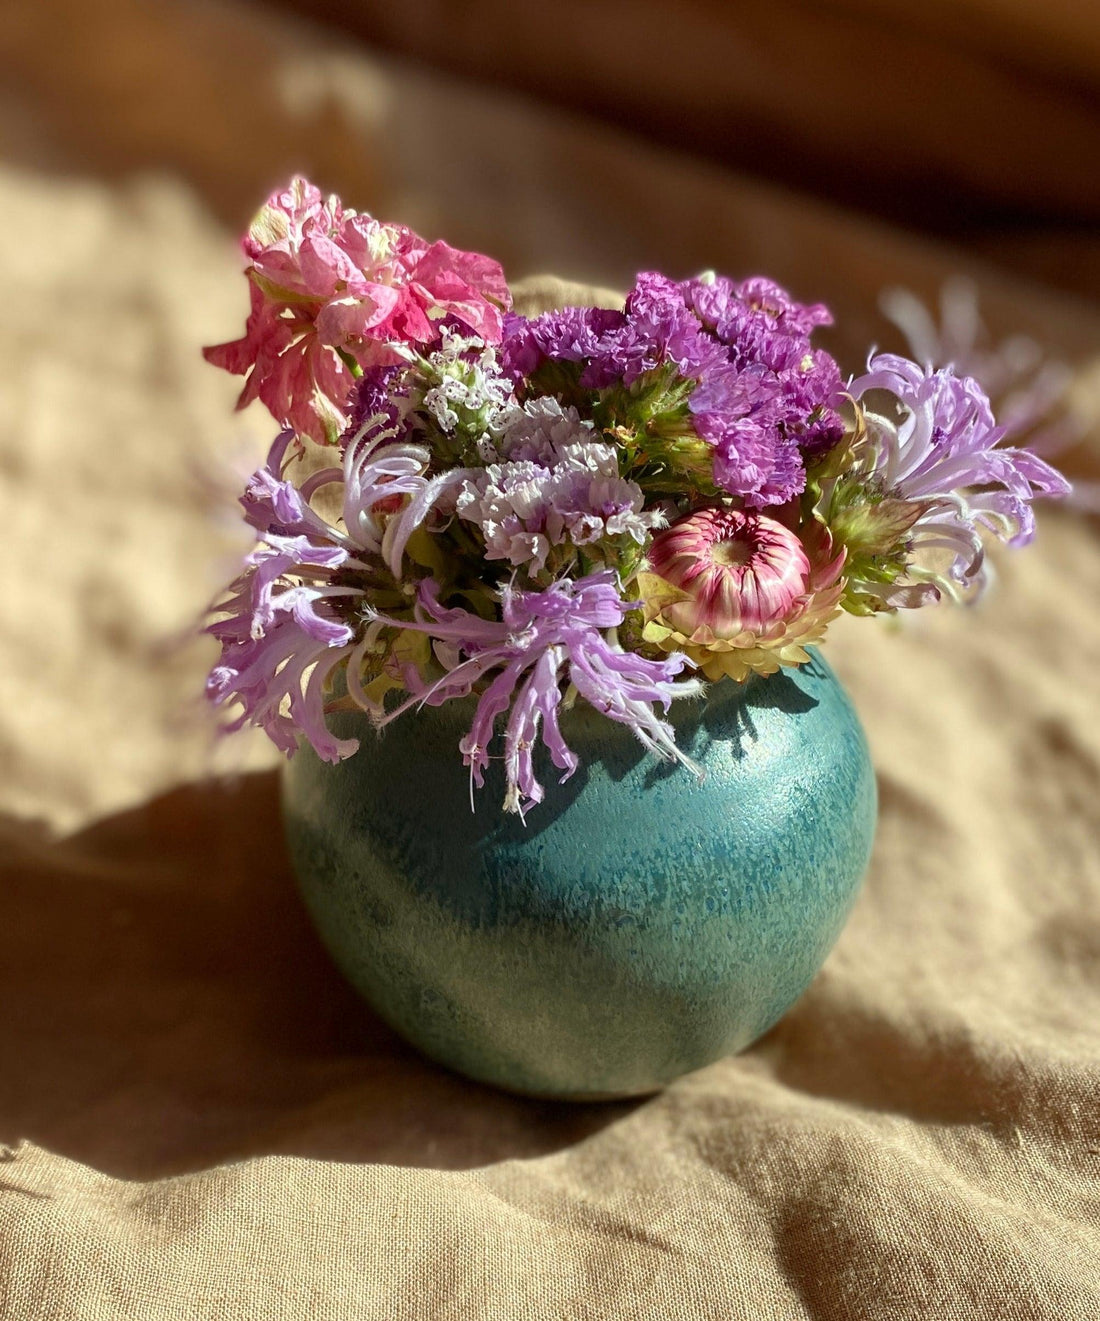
{"points": [[202, 1120]]}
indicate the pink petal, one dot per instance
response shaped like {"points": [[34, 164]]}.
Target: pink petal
{"points": [[324, 264], [356, 315], [441, 265]]}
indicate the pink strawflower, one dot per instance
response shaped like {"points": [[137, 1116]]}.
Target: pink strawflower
{"points": [[742, 571], [739, 592], [332, 287]]}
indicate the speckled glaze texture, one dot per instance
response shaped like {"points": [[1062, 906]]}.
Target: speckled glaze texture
{"points": [[639, 926]]}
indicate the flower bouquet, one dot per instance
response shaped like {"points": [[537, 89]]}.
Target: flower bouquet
{"points": [[526, 536]]}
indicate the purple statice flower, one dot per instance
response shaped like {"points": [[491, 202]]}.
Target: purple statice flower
{"points": [[757, 319], [291, 619], [812, 390], [792, 389], [661, 328], [945, 458], [375, 401], [655, 328], [762, 397], [542, 640], [572, 334]]}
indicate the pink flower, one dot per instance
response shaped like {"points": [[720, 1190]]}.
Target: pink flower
{"points": [[332, 287], [739, 592], [739, 571]]}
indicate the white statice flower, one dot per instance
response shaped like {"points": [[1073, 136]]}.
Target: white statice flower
{"points": [[468, 390], [545, 432], [510, 503], [586, 508], [557, 484]]}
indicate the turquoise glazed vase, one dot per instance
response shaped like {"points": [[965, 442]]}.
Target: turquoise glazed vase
{"points": [[640, 925]]}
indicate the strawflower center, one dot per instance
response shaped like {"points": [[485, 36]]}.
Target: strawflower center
{"points": [[732, 553]]}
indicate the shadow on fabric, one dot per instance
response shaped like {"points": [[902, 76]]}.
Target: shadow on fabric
{"points": [[167, 1006]]}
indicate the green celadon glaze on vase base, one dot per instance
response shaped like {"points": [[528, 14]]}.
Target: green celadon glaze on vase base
{"points": [[640, 925]]}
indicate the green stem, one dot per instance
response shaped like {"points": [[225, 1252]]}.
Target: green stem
{"points": [[350, 363]]}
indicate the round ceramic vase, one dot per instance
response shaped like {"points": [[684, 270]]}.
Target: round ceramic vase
{"points": [[641, 924]]}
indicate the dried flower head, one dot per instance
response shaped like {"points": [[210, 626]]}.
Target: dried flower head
{"points": [[333, 291], [739, 592]]}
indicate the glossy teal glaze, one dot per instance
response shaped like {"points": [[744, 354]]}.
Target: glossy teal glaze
{"points": [[639, 926]]}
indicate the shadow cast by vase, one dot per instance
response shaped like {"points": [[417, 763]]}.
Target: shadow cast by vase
{"points": [[168, 1006]]}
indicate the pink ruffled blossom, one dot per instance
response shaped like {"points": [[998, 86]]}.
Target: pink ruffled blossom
{"points": [[332, 287]]}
